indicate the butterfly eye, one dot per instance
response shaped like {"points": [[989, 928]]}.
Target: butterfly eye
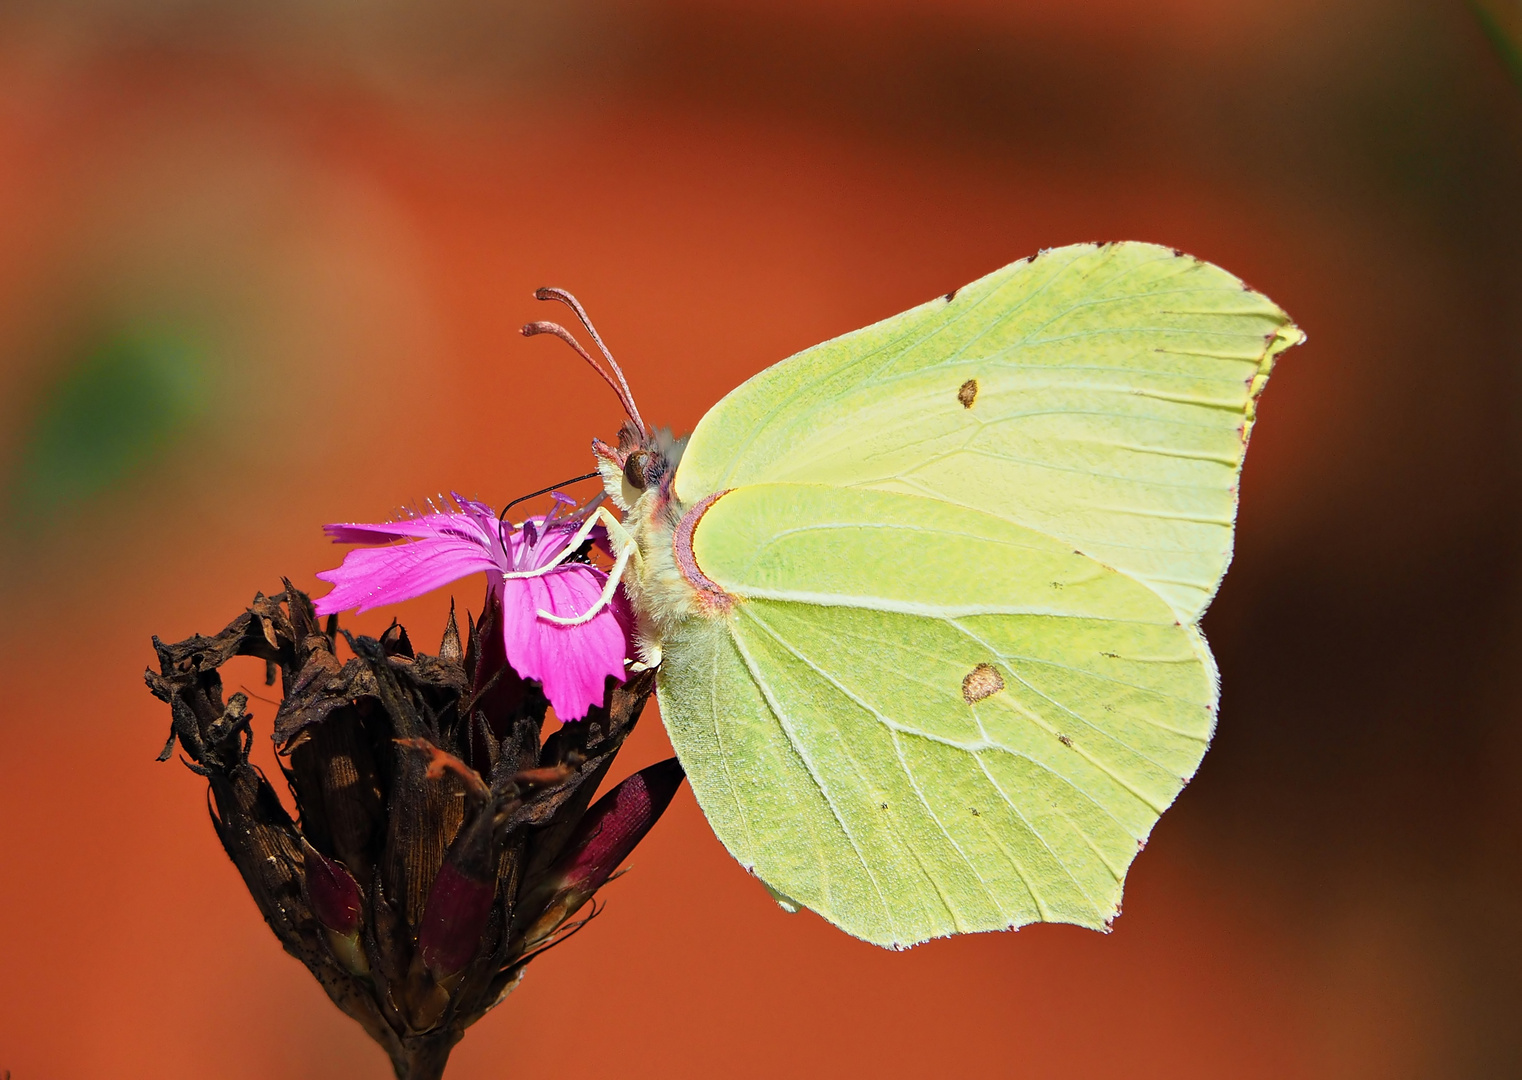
{"points": [[634, 470]]}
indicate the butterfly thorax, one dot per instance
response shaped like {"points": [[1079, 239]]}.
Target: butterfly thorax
{"points": [[665, 585]]}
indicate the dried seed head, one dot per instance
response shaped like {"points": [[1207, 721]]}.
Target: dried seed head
{"points": [[432, 820]]}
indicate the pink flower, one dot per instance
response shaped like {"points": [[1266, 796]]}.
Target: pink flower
{"points": [[572, 663]]}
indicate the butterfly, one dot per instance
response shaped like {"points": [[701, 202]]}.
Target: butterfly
{"points": [[924, 600]]}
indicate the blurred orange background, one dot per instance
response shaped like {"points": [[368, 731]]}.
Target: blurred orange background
{"points": [[305, 234]]}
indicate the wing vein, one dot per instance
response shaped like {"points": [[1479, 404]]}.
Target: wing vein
{"points": [[893, 729], [809, 766], [729, 779], [1037, 718]]}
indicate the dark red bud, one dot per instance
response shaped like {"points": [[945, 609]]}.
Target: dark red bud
{"points": [[606, 835], [454, 920], [333, 892]]}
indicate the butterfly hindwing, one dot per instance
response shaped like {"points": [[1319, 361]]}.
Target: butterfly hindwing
{"points": [[922, 719]]}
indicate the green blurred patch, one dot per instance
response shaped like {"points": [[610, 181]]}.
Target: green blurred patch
{"points": [[125, 396], [1502, 20]]}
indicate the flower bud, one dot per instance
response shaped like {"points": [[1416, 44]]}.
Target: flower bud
{"points": [[333, 892], [338, 904], [606, 834], [454, 919]]}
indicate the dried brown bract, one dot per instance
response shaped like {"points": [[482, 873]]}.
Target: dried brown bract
{"points": [[440, 846]]}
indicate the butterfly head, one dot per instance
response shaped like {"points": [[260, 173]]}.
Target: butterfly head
{"points": [[641, 463]]}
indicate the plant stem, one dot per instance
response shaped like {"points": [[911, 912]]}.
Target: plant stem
{"points": [[423, 1057]]}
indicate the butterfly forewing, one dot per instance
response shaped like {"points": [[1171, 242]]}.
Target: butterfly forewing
{"points": [[1100, 395]]}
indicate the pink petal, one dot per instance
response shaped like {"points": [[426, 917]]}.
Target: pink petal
{"points": [[477, 523], [449, 547], [351, 533], [573, 663]]}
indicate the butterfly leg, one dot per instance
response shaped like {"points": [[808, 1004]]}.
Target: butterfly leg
{"points": [[624, 545], [574, 544]]}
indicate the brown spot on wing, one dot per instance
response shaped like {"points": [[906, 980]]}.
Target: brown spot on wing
{"points": [[968, 393], [981, 682]]}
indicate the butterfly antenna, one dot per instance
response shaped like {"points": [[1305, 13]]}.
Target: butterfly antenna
{"points": [[625, 395], [571, 302]]}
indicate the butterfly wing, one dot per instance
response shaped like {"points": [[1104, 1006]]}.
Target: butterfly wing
{"points": [[1101, 395], [970, 545], [922, 719]]}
